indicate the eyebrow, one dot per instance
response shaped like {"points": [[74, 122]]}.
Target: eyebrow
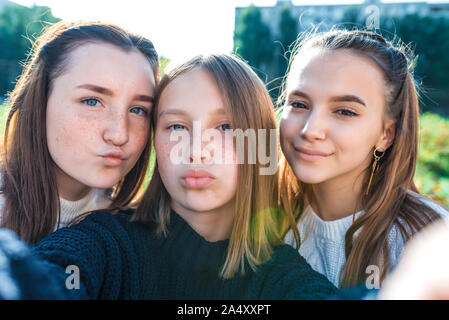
{"points": [[299, 94], [145, 98], [183, 113], [109, 92], [350, 98], [343, 98], [96, 88]]}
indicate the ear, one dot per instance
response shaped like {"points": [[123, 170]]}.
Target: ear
{"points": [[388, 134]]}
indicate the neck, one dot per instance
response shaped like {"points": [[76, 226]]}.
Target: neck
{"points": [[213, 225], [69, 188], [337, 198]]}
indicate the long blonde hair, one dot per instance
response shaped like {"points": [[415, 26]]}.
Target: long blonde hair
{"points": [[393, 199], [256, 220]]}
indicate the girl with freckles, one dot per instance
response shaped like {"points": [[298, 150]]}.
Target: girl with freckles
{"points": [[204, 229], [77, 135], [349, 134]]}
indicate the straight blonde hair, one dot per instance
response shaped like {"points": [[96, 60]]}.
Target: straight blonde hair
{"points": [[257, 220]]}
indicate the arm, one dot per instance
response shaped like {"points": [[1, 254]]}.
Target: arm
{"points": [[97, 247], [23, 276], [90, 249], [422, 272]]}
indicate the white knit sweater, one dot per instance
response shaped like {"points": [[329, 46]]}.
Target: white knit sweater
{"points": [[94, 200], [323, 242]]}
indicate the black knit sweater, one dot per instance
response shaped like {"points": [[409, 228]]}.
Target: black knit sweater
{"points": [[119, 259]]}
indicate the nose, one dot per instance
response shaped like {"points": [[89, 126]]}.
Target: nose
{"points": [[116, 131], [197, 156], [314, 127]]}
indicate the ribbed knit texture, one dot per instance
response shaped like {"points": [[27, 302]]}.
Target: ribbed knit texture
{"points": [[323, 242], [119, 259], [96, 199]]}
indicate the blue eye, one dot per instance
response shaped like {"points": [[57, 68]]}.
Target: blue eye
{"points": [[346, 113], [91, 102], [176, 127], [225, 126], [139, 111]]}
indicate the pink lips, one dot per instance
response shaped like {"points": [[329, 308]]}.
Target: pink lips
{"points": [[197, 178], [310, 154], [113, 158]]}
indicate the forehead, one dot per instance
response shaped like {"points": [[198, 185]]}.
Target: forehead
{"points": [[339, 71], [193, 91], [108, 64]]}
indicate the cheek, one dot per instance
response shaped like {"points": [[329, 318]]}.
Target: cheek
{"points": [[355, 138], [289, 130], [68, 134], [290, 127], [167, 168], [139, 136]]}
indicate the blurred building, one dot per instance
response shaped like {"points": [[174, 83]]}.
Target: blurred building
{"points": [[328, 15]]}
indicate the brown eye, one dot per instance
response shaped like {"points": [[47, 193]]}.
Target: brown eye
{"points": [[298, 105], [346, 113]]}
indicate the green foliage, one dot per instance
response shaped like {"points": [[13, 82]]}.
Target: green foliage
{"points": [[288, 28], [252, 40], [19, 26], [428, 36], [431, 44], [163, 64], [432, 173]]}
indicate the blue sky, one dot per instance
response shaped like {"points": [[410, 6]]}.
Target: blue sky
{"points": [[178, 28]]}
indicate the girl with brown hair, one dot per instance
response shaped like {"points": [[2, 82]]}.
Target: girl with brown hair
{"points": [[77, 134], [207, 227], [349, 133]]}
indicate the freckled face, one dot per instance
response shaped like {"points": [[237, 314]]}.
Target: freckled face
{"points": [[197, 184], [97, 114], [333, 116]]}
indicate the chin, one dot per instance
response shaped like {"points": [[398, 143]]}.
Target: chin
{"points": [[202, 206], [309, 177], [103, 183]]}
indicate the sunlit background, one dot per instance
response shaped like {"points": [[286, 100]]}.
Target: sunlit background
{"points": [[178, 28], [260, 32]]}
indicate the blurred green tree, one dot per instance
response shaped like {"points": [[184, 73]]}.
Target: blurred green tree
{"points": [[19, 26], [430, 39], [253, 41], [288, 32]]}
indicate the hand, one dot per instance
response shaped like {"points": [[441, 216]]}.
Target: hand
{"points": [[423, 269]]}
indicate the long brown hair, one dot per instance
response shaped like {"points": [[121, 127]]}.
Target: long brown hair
{"points": [[393, 199], [29, 186], [256, 220]]}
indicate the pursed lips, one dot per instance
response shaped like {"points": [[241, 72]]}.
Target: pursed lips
{"points": [[114, 158], [197, 178]]}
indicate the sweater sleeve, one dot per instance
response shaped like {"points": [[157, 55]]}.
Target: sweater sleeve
{"points": [[92, 250], [24, 276], [288, 276]]}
